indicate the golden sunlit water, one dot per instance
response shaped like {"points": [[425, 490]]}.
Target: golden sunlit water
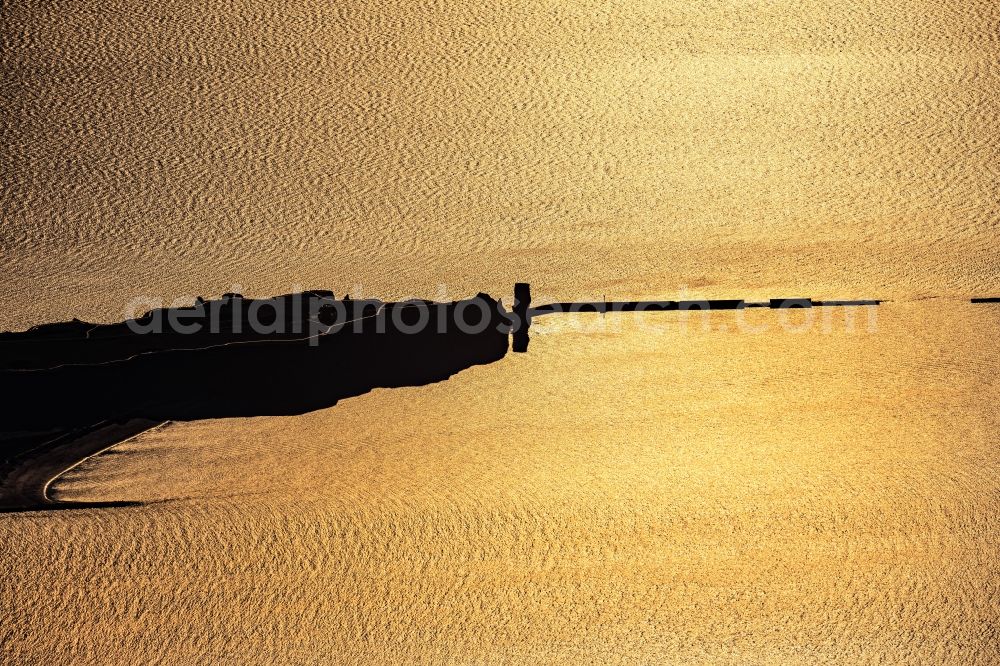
{"points": [[634, 489]]}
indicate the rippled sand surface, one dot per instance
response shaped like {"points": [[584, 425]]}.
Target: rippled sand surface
{"points": [[643, 495], [173, 149], [632, 495]]}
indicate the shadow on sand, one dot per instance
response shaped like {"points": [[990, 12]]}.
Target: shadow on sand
{"points": [[73, 390]]}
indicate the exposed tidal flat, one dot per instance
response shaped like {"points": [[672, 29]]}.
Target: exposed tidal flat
{"points": [[638, 495]]}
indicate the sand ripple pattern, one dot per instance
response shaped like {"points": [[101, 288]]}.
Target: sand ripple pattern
{"points": [[628, 496], [179, 148]]}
